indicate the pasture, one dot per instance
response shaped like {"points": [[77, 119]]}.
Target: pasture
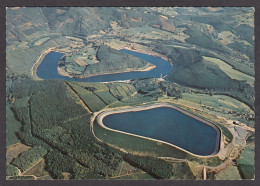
{"points": [[231, 173], [230, 71]]}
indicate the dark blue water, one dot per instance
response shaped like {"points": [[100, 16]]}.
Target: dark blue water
{"points": [[168, 125], [48, 69]]}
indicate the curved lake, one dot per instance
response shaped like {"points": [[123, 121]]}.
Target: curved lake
{"points": [[168, 125], [48, 69]]}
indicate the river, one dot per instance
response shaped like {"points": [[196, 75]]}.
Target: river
{"points": [[48, 69]]}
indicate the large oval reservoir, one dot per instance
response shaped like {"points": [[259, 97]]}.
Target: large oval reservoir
{"points": [[48, 69], [167, 124]]}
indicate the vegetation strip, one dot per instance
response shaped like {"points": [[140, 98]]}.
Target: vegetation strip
{"points": [[127, 174], [24, 172], [82, 102]]}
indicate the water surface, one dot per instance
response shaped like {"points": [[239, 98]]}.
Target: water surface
{"points": [[48, 69], [168, 125]]}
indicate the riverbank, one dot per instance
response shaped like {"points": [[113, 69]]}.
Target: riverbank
{"points": [[219, 145], [38, 62], [40, 59], [148, 52]]}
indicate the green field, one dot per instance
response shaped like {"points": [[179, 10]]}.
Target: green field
{"points": [[247, 157], [137, 176], [28, 56], [85, 92], [202, 74], [114, 91], [29, 158], [98, 86], [230, 71], [246, 163], [99, 95], [121, 91], [12, 127], [41, 41], [182, 171], [106, 97], [93, 102], [244, 68], [11, 170], [231, 173], [127, 88], [138, 99], [217, 102]]}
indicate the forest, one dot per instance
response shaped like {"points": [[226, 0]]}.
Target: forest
{"points": [[65, 140]]}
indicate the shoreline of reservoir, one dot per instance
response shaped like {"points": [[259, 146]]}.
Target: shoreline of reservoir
{"points": [[219, 144], [145, 69], [39, 61], [149, 67]]}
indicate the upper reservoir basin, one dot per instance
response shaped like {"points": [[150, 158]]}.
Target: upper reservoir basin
{"points": [[168, 125], [48, 69]]}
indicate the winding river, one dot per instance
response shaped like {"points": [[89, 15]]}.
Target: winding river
{"points": [[48, 69]]}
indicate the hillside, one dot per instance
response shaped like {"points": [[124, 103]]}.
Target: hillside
{"points": [[52, 126]]}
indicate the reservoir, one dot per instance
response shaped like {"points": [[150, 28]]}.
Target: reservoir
{"points": [[48, 69], [168, 125]]}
